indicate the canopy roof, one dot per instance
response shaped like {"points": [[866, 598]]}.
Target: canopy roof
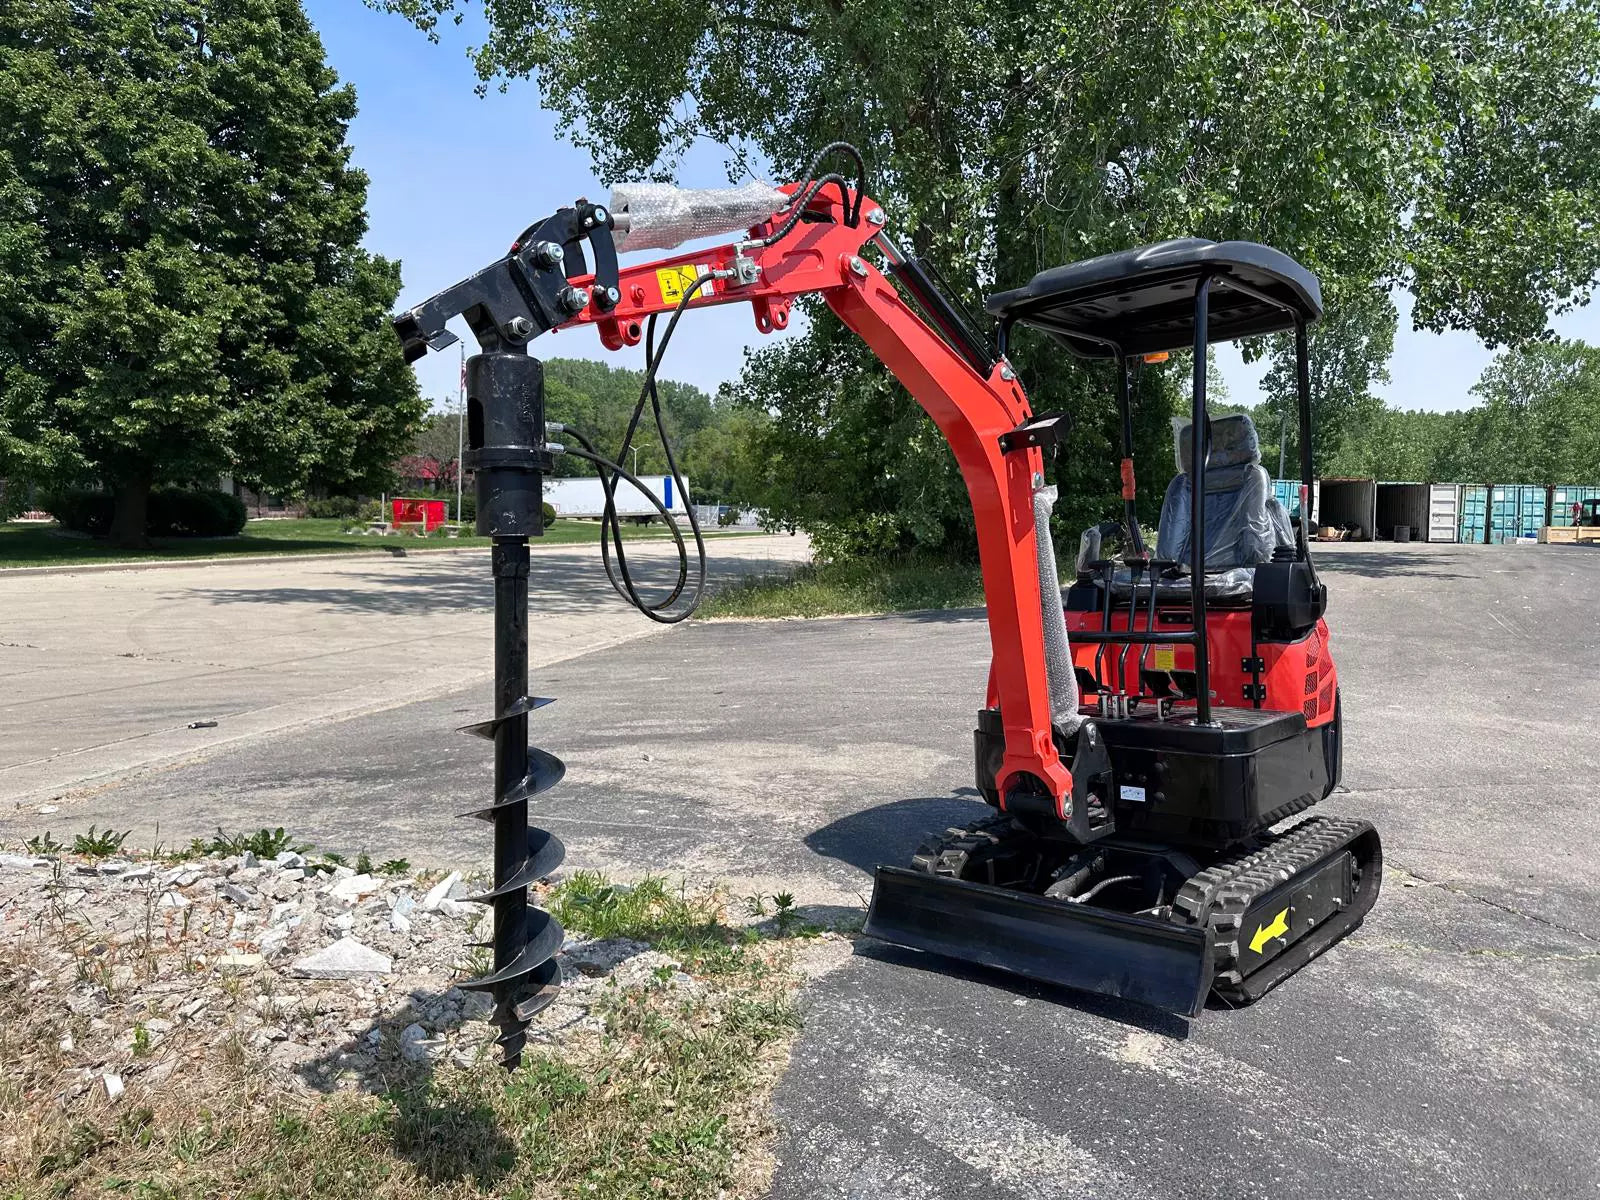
{"points": [[1142, 300]]}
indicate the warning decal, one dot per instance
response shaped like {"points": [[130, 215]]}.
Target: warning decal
{"points": [[1165, 658], [674, 281]]}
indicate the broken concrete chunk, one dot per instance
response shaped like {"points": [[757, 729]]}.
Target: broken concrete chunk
{"points": [[439, 891], [174, 900], [345, 959], [238, 895], [352, 887], [22, 862], [417, 1046]]}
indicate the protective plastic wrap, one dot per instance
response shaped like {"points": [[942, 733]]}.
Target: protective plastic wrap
{"points": [[661, 215], [1057, 653], [1241, 529]]}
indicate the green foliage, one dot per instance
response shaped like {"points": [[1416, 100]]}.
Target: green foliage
{"points": [[264, 843], [394, 866], [44, 843], [688, 925], [550, 515], [99, 844], [1348, 352], [338, 508], [171, 512], [854, 585], [1451, 147], [184, 293], [1538, 422], [709, 434]]}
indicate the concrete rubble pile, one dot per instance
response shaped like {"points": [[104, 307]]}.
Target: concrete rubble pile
{"points": [[317, 974]]}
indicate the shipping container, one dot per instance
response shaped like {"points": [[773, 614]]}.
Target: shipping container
{"points": [[1401, 511], [1444, 512], [1287, 493], [1349, 504], [1474, 513], [1563, 498], [1515, 510]]}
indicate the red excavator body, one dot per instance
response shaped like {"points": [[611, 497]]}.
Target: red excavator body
{"points": [[1142, 732]]}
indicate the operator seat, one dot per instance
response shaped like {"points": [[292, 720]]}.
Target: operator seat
{"points": [[1244, 521]]}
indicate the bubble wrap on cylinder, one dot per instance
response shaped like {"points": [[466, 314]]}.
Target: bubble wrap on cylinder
{"points": [[662, 216], [1057, 654]]}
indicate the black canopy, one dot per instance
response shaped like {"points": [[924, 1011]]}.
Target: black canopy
{"points": [[1142, 300]]}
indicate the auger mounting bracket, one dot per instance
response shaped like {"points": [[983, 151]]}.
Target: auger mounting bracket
{"points": [[528, 292]]}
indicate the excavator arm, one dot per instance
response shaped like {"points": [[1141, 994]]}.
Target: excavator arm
{"points": [[978, 405]]}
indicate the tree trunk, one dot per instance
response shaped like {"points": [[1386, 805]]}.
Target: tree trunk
{"points": [[130, 506]]}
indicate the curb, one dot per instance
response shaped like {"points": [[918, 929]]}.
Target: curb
{"points": [[164, 564]]}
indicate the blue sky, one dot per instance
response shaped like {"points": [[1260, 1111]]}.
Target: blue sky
{"points": [[455, 177]]}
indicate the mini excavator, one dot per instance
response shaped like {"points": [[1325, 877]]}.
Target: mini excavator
{"points": [[1144, 732]]}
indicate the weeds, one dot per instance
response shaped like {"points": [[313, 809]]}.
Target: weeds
{"points": [[394, 866], [264, 843], [98, 845], [667, 1097], [44, 844]]}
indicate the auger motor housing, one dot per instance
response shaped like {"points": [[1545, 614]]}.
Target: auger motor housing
{"points": [[505, 442]]}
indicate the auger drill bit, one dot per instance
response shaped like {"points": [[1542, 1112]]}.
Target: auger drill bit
{"points": [[505, 397]]}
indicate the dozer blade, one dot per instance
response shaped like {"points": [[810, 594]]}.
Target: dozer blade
{"points": [[1150, 962]]}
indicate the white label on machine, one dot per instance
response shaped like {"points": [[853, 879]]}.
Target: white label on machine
{"points": [[1136, 794]]}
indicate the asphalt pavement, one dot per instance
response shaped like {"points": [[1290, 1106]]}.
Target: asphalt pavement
{"points": [[1449, 1048]]}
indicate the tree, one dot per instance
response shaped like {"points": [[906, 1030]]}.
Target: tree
{"points": [[1347, 352], [1540, 417], [439, 436], [1015, 135], [180, 229]]}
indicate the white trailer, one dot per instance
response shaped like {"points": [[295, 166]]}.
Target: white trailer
{"points": [[585, 498]]}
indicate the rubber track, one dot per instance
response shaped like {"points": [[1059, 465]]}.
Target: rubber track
{"points": [[1223, 893], [948, 854]]}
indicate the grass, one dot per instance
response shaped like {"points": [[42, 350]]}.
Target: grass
{"points": [[853, 586], [667, 1097], [28, 544]]}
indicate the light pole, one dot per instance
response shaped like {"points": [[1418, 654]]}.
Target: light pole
{"points": [[461, 427]]}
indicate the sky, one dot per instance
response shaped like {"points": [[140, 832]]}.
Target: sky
{"points": [[455, 177]]}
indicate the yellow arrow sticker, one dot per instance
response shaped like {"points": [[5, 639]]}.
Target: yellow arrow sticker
{"points": [[1277, 927]]}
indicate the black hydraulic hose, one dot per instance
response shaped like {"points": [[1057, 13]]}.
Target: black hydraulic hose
{"points": [[624, 585], [611, 526], [804, 197]]}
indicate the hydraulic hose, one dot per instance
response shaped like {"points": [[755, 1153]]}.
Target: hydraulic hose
{"points": [[621, 576]]}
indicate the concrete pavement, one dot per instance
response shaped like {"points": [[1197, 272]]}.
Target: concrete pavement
{"points": [[1449, 1048], [102, 672]]}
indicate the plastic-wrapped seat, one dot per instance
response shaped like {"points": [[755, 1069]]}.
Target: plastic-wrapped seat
{"points": [[1244, 521]]}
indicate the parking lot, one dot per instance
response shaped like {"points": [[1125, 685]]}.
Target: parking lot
{"points": [[1451, 1047]]}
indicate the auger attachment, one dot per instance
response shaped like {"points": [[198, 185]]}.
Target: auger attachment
{"points": [[505, 430]]}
